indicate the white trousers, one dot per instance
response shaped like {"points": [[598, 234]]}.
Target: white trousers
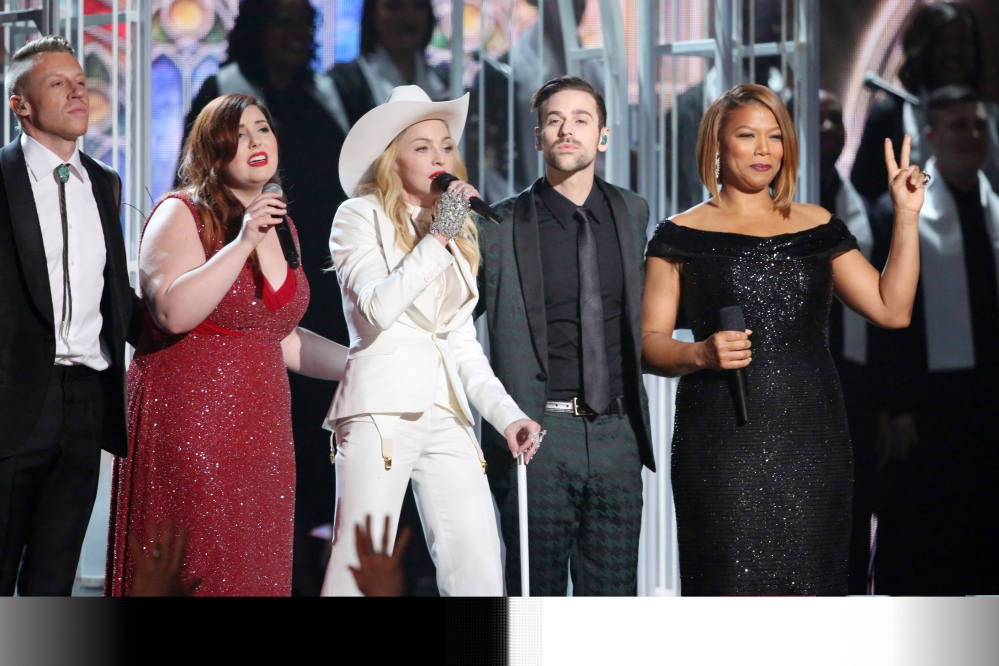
{"points": [[437, 451]]}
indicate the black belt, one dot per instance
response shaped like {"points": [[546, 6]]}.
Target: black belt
{"points": [[72, 373], [577, 407]]}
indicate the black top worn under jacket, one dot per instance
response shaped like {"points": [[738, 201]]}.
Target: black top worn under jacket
{"points": [[557, 232], [511, 296]]}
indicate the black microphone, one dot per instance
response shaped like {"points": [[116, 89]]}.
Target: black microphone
{"points": [[283, 230], [731, 319], [443, 180]]}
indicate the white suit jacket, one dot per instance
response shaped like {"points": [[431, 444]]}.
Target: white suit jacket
{"points": [[395, 344]]}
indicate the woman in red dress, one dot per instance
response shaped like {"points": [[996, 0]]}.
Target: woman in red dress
{"points": [[209, 408]]}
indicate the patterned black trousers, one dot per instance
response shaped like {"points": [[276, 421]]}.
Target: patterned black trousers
{"points": [[584, 509]]}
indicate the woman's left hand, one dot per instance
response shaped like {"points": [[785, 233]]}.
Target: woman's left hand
{"points": [[522, 436], [463, 189], [905, 181]]}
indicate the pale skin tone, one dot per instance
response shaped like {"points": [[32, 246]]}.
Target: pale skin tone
{"points": [[423, 150], [182, 289], [53, 105], [751, 151], [570, 136], [959, 138]]}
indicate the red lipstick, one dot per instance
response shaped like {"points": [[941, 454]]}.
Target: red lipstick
{"points": [[257, 159]]}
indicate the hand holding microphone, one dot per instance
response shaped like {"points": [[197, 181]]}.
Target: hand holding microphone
{"points": [[282, 229], [735, 355], [262, 214], [443, 180]]}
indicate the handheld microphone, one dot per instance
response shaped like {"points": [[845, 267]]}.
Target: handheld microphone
{"points": [[731, 319], [443, 180], [283, 230]]}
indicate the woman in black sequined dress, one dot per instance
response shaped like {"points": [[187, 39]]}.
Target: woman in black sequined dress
{"points": [[764, 507]]}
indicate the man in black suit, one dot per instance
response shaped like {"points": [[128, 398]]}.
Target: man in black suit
{"points": [[561, 284], [65, 309]]}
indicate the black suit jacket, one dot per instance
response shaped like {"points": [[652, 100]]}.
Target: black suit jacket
{"points": [[27, 329], [512, 295]]}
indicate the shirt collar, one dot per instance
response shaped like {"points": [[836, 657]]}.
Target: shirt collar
{"points": [[42, 162], [564, 210]]}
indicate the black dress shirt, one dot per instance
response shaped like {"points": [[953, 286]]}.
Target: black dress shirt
{"points": [[557, 229]]}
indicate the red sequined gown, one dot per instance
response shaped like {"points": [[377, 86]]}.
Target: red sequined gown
{"points": [[210, 443]]}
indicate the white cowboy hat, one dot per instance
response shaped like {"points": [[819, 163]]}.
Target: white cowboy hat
{"points": [[372, 134]]}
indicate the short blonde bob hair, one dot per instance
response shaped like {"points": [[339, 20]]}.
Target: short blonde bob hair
{"points": [[709, 137]]}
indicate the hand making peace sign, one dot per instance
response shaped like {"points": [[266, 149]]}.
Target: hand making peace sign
{"points": [[905, 182]]}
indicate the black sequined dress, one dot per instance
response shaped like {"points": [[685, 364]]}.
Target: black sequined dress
{"points": [[762, 508]]}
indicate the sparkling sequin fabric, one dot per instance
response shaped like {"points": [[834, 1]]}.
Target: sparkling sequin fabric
{"points": [[211, 443], [762, 508]]}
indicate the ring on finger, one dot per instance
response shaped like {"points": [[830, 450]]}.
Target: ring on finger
{"points": [[926, 178]]}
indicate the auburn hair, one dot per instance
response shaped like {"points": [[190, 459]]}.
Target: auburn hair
{"points": [[386, 186], [204, 163], [709, 137]]}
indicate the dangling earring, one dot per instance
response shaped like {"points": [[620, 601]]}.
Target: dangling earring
{"points": [[717, 166]]}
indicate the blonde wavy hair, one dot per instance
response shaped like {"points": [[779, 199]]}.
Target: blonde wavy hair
{"points": [[709, 136], [386, 186]]}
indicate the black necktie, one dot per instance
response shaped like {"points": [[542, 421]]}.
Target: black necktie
{"points": [[67, 293], [980, 268], [596, 376]]}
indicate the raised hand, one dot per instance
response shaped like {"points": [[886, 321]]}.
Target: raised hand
{"points": [[905, 182], [263, 213], [379, 574], [463, 189]]}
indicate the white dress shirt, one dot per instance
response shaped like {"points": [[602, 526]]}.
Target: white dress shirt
{"points": [[81, 344]]}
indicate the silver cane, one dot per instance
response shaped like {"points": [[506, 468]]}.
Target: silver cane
{"points": [[525, 566], [525, 575]]}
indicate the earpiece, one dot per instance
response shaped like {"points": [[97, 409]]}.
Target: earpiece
{"points": [[20, 105], [537, 140], [603, 140]]}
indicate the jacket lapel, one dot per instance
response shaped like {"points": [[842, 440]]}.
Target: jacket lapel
{"points": [[527, 248], [27, 230], [632, 280], [421, 310], [115, 269]]}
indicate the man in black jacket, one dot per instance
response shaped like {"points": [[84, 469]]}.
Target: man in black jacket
{"points": [[65, 309], [561, 284]]}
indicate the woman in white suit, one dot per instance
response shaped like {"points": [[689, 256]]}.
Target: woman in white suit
{"points": [[406, 259]]}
